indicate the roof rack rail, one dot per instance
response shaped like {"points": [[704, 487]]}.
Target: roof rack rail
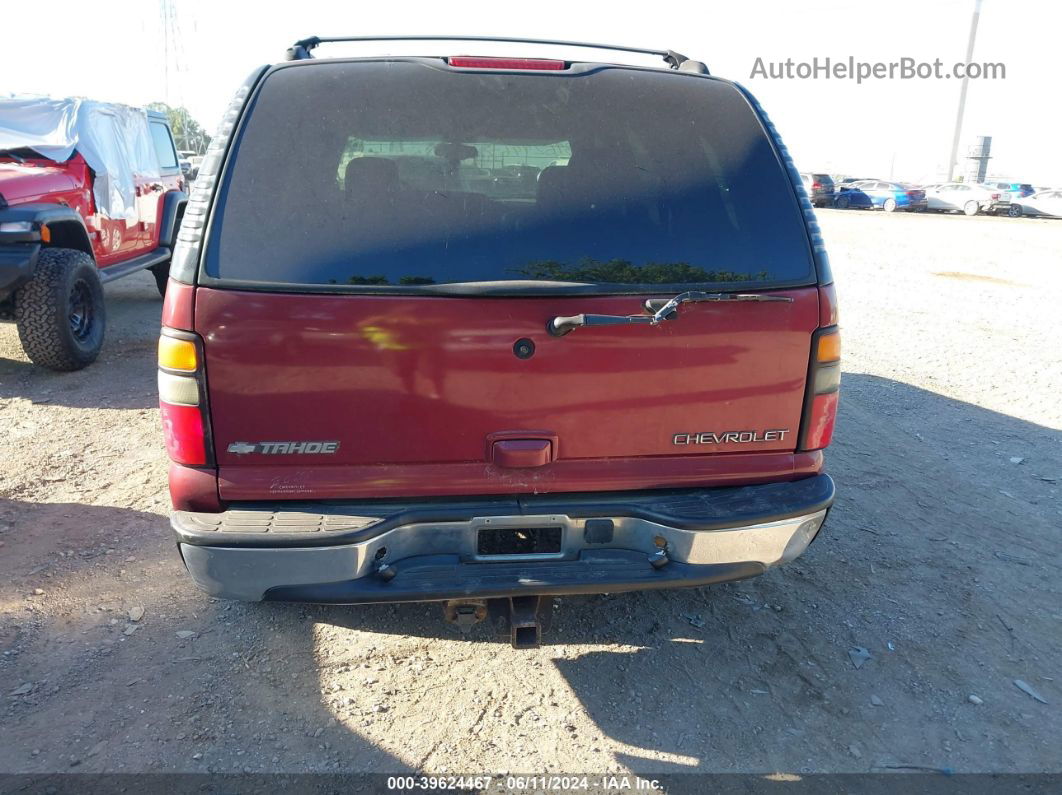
{"points": [[301, 49]]}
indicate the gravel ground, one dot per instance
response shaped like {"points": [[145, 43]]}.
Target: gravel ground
{"points": [[940, 560]]}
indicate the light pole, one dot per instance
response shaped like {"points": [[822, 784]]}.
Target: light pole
{"points": [[962, 93]]}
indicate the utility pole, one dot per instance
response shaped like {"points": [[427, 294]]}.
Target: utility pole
{"points": [[953, 159]]}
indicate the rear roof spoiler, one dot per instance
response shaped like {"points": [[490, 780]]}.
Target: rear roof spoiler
{"points": [[301, 49]]}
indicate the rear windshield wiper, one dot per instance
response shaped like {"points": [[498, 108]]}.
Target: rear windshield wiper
{"points": [[659, 309]]}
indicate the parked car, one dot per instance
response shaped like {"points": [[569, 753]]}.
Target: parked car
{"points": [[1011, 191], [480, 400], [889, 196], [89, 192], [819, 188], [967, 198], [1045, 203], [184, 159], [193, 167]]}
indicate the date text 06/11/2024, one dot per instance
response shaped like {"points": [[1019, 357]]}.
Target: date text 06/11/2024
{"points": [[617, 783]]}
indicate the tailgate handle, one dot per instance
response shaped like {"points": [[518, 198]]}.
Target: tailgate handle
{"points": [[521, 453]]}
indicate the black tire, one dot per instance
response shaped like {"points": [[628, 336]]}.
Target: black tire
{"points": [[971, 208], [889, 206], [1014, 211], [60, 312], [162, 276], [843, 202], [162, 271]]}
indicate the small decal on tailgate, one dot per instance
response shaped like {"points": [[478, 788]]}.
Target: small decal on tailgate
{"points": [[284, 448]]}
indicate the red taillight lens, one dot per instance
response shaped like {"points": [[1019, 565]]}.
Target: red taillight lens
{"points": [[816, 185], [818, 432], [182, 427], [474, 62], [182, 398], [828, 314], [995, 196]]}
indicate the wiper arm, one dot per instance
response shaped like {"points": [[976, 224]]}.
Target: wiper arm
{"points": [[665, 310], [561, 325], [660, 309]]}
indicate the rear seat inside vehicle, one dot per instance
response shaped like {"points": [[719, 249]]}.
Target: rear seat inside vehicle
{"points": [[599, 195], [374, 189]]}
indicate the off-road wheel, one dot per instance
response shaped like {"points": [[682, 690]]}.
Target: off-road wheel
{"points": [[971, 208], [889, 206], [1014, 211], [162, 276], [60, 312]]}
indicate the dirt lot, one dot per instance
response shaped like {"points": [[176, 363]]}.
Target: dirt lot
{"points": [[941, 560]]}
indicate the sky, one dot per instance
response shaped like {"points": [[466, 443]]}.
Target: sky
{"points": [[116, 50]]}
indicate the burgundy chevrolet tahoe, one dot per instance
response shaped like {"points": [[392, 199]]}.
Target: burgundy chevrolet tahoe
{"points": [[482, 330]]}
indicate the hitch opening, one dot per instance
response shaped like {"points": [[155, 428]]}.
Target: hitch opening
{"points": [[522, 618], [524, 629], [527, 637]]}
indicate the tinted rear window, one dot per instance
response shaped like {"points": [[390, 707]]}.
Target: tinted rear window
{"points": [[391, 175], [160, 138]]}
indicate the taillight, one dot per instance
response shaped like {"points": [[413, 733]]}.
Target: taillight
{"points": [[824, 382], [475, 62], [995, 196], [182, 398], [816, 185]]}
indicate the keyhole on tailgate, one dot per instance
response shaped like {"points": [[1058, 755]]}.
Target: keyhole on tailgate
{"points": [[524, 348]]}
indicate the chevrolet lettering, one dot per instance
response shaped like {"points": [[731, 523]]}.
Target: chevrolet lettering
{"points": [[730, 437]]}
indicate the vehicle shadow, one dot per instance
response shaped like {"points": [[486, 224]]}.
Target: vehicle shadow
{"points": [[935, 578], [191, 685], [935, 531], [940, 560]]}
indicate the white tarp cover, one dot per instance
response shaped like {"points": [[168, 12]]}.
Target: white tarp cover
{"points": [[114, 140]]}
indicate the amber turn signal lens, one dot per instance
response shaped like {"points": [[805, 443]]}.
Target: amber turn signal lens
{"points": [[829, 348], [175, 354]]}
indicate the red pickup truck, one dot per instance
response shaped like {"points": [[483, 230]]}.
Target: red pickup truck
{"points": [[98, 194]]}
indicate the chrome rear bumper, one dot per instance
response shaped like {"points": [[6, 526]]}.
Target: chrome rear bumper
{"points": [[435, 560]]}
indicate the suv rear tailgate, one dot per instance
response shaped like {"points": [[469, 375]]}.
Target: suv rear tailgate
{"points": [[413, 389]]}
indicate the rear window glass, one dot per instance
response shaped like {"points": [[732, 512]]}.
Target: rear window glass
{"points": [[402, 175], [160, 138]]}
